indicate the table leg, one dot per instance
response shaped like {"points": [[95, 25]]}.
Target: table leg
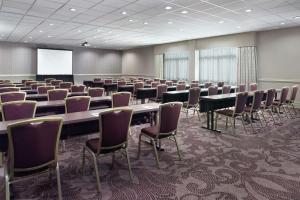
{"points": [[207, 120], [212, 120]]}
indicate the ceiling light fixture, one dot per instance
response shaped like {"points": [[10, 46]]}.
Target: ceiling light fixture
{"points": [[168, 7], [72, 9], [146, 23], [79, 31], [124, 13], [184, 12], [51, 24], [221, 22], [131, 20], [170, 22], [248, 10], [282, 23], [85, 44], [41, 31], [49, 36], [297, 17]]}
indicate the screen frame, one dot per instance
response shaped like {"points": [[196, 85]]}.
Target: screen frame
{"points": [[37, 60]]}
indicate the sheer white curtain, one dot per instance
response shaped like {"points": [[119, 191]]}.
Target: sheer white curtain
{"points": [[247, 65], [218, 64], [176, 66]]}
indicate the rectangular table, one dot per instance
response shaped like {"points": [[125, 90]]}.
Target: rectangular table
{"points": [[110, 87], [126, 88], [44, 97]]}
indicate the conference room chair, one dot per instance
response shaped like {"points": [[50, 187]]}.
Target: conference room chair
{"points": [[108, 81], [194, 81], [77, 88], [29, 83], [95, 92], [56, 83], [44, 89], [212, 90], [34, 86], [121, 99], [7, 85], [267, 105], [253, 87], [16, 110], [194, 85], [165, 129], [97, 80], [193, 101], [77, 104], [48, 80], [25, 80], [12, 96], [254, 107], [148, 82], [207, 84], [137, 85], [9, 89], [291, 101], [33, 149], [111, 138], [235, 112], [169, 83], [65, 85], [163, 81], [141, 78], [174, 81], [57, 94], [242, 88], [281, 102], [180, 86], [156, 79], [160, 90], [121, 83], [226, 89], [220, 84], [181, 82], [154, 84]]}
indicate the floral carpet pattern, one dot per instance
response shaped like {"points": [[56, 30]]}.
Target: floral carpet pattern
{"points": [[224, 166]]}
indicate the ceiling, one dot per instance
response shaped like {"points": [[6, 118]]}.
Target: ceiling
{"points": [[123, 24]]}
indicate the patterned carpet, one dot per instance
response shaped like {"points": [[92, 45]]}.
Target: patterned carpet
{"points": [[265, 165]]}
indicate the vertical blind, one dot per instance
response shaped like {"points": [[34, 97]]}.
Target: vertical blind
{"points": [[176, 66]]}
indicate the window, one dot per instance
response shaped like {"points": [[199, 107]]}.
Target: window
{"points": [[176, 67], [219, 64]]}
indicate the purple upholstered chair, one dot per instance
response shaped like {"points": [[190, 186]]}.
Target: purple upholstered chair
{"points": [[9, 89], [255, 106], [156, 79], [121, 99], [12, 96], [292, 99], [95, 92], [29, 83], [121, 83], [267, 105], [207, 84], [56, 83], [212, 90], [226, 89], [163, 81], [174, 81], [242, 88], [194, 85], [65, 85], [97, 80], [160, 90], [141, 79], [25, 80], [15, 110], [108, 81], [137, 86], [194, 81], [193, 101], [233, 113], [36, 85], [166, 127], [48, 80], [57, 94], [220, 84], [44, 89], [148, 82], [77, 88], [181, 82], [253, 87], [169, 83], [180, 86], [281, 103], [114, 127], [154, 84], [7, 85], [32, 149], [77, 104]]}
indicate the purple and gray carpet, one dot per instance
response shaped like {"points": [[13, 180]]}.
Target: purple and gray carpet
{"points": [[265, 165]]}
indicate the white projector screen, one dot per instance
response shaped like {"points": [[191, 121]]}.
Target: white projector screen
{"points": [[54, 62]]}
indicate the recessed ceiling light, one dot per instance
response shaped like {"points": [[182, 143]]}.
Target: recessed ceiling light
{"points": [[297, 17], [124, 13], [146, 23], [184, 12], [49, 36], [72, 9], [282, 23], [248, 10], [131, 20], [41, 31], [79, 31], [168, 7], [51, 24], [30, 37], [221, 22], [170, 22]]}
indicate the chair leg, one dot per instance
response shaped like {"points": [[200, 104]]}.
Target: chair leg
{"points": [[243, 123], [259, 119], [249, 117], [129, 165], [178, 151], [294, 109], [284, 109], [216, 121], [155, 152], [271, 113], [187, 112], [231, 124], [139, 146], [7, 189], [58, 182], [97, 172]]}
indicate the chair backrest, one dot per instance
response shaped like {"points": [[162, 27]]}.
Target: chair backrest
{"points": [[160, 89], [242, 88], [138, 85], [226, 89], [57, 94], [7, 85], [207, 84], [120, 99], [12, 96], [194, 85], [180, 86], [97, 80], [65, 85], [77, 88], [174, 81], [25, 80], [108, 81], [56, 82], [294, 93], [220, 84], [212, 90], [149, 81], [34, 86], [154, 84], [181, 82], [121, 83], [15, 110], [48, 80], [29, 83], [163, 81], [141, 78], [112, 135], [95, 92], [169, 117], [257, 99], [270, 97], [77, 104], [156, 79], [33, 144], [284, 94], [169, 83], [194, 81], [194, 94], [240, 102], [253, 87], [44, 89], [9, 89]]}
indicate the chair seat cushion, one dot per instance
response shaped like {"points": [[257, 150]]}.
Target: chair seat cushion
{"points": [[226, 112], [153, 131], [93, 145]]}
